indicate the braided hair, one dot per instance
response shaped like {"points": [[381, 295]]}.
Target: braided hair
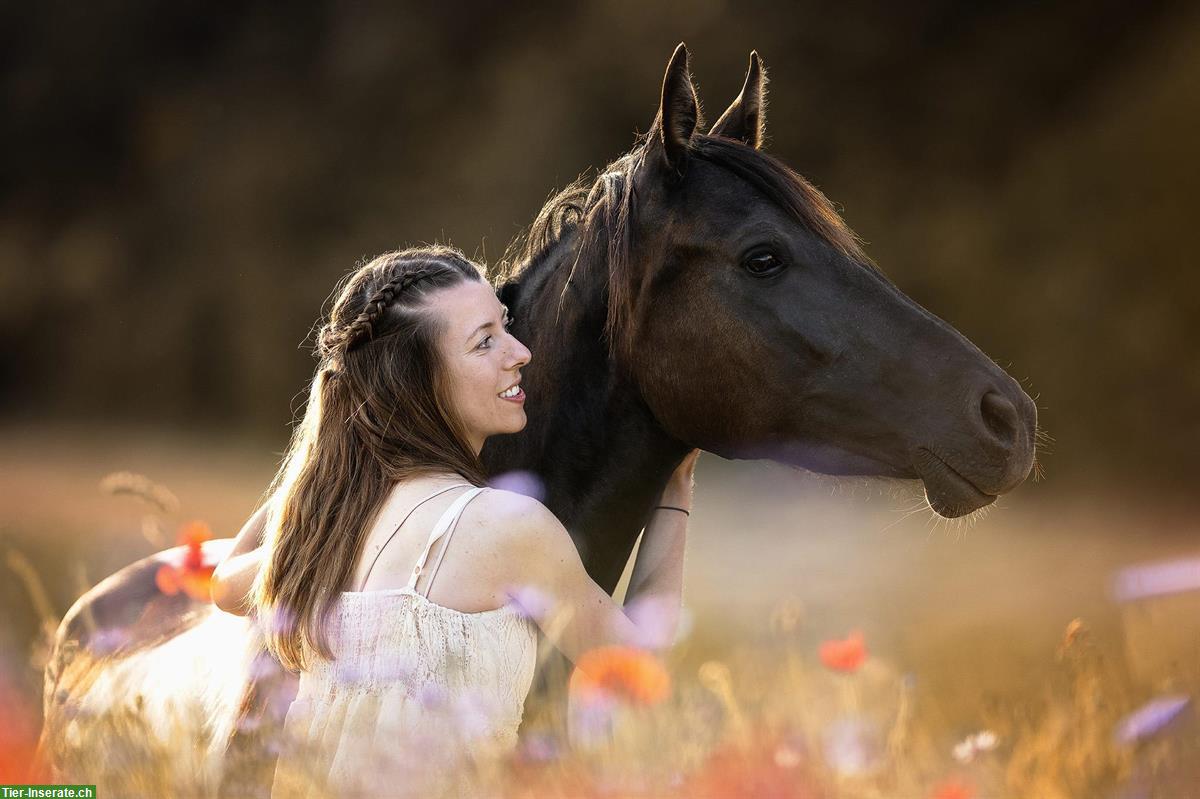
{"points": [[362, 328]]}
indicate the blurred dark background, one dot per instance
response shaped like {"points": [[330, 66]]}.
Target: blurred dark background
{"points": [[182, 183]]}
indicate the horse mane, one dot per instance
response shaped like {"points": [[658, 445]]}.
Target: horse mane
{"points": [[598, 210]]}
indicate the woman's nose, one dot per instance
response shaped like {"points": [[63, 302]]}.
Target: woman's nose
{"points": [[521, 353]]}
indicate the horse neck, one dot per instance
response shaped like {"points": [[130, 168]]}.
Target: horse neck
{"points": [[600, 454]]}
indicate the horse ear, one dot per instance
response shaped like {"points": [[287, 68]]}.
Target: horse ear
{"points": [[746, 118], [678, 112]]}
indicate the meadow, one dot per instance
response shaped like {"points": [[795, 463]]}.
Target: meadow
{"points": [[839, 640]]}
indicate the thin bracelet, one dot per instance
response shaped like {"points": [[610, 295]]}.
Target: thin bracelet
{"points": [[672, 507]]}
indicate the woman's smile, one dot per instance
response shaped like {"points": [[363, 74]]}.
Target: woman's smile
{"points": [[513, 393]]}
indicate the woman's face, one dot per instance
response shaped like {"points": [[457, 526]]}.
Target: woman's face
{"points": [[482, 360]]}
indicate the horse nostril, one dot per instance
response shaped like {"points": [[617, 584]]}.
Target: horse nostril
{"points": [[1000, 417]]}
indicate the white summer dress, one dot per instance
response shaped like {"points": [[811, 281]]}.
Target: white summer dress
{"points": [[421, 700]]}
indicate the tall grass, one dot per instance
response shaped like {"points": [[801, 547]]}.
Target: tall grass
{"points": [[774, 712]]}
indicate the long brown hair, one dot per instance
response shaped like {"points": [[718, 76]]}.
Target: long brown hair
{"points": [[377, 413]]}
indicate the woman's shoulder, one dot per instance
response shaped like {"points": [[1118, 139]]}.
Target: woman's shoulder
{"points": [[513, 516], [521, 530]]}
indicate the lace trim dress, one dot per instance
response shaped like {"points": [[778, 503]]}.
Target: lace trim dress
{"points": [[421, 700]]}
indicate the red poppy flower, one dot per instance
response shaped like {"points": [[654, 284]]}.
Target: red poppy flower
{"points": [[194, 577], [632, 674], [844, 655], [953, 789]]}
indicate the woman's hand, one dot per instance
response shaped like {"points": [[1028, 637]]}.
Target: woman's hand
{"points": [[678, 491]]}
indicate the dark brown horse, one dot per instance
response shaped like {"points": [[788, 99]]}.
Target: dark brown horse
{"points": [[698, 293]]}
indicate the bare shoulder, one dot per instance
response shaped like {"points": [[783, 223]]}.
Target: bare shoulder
{"points": [[514, 519], [508, 510]]}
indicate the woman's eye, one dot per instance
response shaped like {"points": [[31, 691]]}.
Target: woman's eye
{"points": [[487, 340], [763, 264]]}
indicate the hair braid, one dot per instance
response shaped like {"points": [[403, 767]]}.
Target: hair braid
{"points": [[363, 327]]}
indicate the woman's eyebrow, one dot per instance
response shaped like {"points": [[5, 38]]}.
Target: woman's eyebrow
{"points": [[487, 325]]}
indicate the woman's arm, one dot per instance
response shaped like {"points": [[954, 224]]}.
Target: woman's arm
{"points": [[656, 585], [234, 576], [582, 615]]}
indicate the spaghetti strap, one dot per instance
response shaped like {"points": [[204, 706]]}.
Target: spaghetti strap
{"points": [[445, 526], [439, 492]]}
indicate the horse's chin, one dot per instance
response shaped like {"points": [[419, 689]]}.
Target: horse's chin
{"points": [[949, 493]]}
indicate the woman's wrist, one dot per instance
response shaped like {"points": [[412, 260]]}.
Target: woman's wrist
{"points": [[677, 496]]}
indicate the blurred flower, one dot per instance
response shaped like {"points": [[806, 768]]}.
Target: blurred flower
{"points": [[538, 747], [432, 696], [474, 714], [985, 741], [852, 745], [844, 655], [953, 789], [966, 749], [590, 717], [194, 534], [530, 601], [277, 619], [194, 577], [1150, 718], [108, 640], [521, 482], [658, 625], [632, 674], [1157, 579]]}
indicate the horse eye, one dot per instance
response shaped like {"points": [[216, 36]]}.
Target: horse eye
{"points": [[763, 264]]}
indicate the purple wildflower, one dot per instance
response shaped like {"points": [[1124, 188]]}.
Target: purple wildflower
{"points": [[1150, 719], [432, 696], [474, 714], [521, 482], [277, 619], [1156, 579], [852, 746], [530, 602], [657, 626], [539, 747], [108, 640], [590, 717]]}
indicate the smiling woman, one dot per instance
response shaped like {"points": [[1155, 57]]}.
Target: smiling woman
{"points": [[417, 370]]}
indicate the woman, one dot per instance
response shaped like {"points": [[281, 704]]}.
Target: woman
{"points": [[388, 618]]}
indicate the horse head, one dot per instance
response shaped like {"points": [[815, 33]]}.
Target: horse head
{"points": [[754, 326]]}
